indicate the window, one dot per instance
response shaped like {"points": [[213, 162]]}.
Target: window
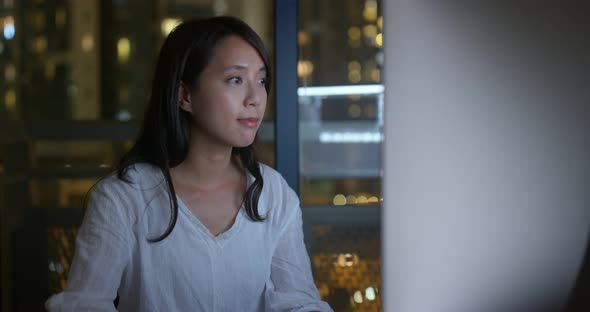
{"points": [[340, 99]]}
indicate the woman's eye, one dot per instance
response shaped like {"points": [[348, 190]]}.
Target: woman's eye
{"points": [[235, 80], [262, 81]]}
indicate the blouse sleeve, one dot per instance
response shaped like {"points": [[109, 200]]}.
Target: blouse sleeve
{"points": [[103, 249], [291, 286]]}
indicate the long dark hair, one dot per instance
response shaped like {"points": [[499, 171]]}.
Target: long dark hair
{"points": [[164, 138]]}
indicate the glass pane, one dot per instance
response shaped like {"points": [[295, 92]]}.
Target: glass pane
{"points": [[73, 63], [340, 101], [340, 131]]}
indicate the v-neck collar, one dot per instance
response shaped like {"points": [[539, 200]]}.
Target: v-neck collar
{"points": [[204, 230], [224, 236]]}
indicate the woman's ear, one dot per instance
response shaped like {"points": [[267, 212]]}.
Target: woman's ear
{"points": [[184, 98]]}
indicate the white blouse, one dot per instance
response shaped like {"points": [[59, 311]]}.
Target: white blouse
{"points": [[253, 266]]}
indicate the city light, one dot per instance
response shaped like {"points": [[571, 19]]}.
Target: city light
{"points": [[379, 40], [87, 42], [379, 57], [346, 260], [10, 100], [9, 29], [340, 90], [56, 267], [168, 24], [376, 75], [370, 31], [350, 137], [354, 65], [354, 110], [370, 293], [354, 76], [123, 115], [354, 43], [304, 68], [339, 200], [370, 10], [10, 73], [354, 33], [40, 44], [361, 200], [123, 50], [351, 199], [371, 4], [358, 297], [370, 111], [303, 38], [370, 14]]}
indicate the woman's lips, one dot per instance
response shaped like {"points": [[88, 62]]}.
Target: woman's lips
{"points": [[249, 122]]}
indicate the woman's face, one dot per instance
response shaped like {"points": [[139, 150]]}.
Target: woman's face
{"points": [[229, 99]]}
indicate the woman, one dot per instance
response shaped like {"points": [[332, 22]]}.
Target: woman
{"points": [[191, 221]]}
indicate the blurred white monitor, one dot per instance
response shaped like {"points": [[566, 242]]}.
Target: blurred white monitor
{"points": [[486, 154]]}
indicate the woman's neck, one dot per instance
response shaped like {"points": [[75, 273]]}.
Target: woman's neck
{"points": [[207, 167]]}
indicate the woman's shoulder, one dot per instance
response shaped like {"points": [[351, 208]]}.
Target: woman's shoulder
{"points": [[269, 173], [283, 202], [127, 195], [137, 178], [274, 180]]}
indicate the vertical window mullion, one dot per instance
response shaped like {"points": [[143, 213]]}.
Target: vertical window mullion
{"points": [[285, 84]]}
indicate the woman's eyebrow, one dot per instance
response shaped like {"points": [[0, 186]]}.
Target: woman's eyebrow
{"points": [[240, 67]]}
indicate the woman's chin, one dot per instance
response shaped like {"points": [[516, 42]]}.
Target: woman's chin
{"points": [[244, 143]]}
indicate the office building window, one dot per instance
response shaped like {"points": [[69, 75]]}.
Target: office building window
{"points": [[340, 99]]}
